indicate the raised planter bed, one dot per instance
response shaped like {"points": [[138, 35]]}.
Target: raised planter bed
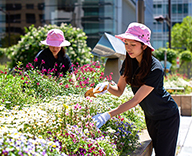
{"points": [[145, 148], [185, 104]]}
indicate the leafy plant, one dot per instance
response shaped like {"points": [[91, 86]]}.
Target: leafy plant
{"points": [[28, 85], [181, 34], [171, 54], [186, 56]]}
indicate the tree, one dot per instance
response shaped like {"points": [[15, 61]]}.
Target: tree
{"points": [[182, 34]]}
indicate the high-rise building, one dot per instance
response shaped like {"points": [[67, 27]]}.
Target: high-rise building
{"points": [[179, 10], [94, 16]]}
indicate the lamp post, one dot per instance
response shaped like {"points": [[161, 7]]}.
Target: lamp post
{"points": [[140, 11], [9, 36], [168, 20]]}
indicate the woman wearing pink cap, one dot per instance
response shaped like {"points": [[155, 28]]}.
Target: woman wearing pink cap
{"points": [[144, 73], [54, 58]]}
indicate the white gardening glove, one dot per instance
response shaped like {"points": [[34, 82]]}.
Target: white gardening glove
{"points": [[100, 87], [101, 119]]}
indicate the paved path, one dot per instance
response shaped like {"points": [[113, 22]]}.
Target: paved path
{"points": [[185, 137]]}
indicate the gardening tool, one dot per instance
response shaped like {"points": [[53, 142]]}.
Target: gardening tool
{"points": [[90, 92]]}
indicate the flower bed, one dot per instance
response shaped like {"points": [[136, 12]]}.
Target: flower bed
{"points": [[43, 115]]}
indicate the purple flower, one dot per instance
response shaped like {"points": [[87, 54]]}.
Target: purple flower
{"points": [[49, 132]]}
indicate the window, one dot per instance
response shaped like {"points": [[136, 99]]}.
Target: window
{"points": [[157, 44], [157, 27], [41, 18], [174, 8], [180, 9], [30, 18], [185, 8], [16, 18], [41, 6], [29, 6], [14, 6]]}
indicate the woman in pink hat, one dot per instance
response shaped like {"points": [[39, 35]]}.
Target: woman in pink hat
{"points": [[145, 74], [54, 58]]}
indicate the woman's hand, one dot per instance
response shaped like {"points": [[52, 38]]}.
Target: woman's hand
{"points": [[102, 87], [101, 119]]}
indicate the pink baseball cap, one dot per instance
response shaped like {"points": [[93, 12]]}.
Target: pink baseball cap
{"points": [[139, 32], [55, 38]]}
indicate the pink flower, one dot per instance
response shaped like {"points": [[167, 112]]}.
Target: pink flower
{"points": [[110, 77], [36, 59], [27, 66], [42, 61], [67, 86], [61, 75], [38, 83], [92, 85]]}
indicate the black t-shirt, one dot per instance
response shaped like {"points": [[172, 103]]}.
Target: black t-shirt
{"points": [[158, 104], [60, 65]]}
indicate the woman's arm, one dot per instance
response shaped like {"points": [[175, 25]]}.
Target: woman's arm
{"points": [[138, 97], [119, 89]]}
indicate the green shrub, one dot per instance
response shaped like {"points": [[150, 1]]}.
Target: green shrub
{"points": [[186, 56], [171, 54], [29, 45]]}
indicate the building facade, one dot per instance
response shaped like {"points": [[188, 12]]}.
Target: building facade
{"points": [[94, 16], [179, 10]]}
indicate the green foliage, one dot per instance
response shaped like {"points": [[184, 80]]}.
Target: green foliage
{"points": [[29, 45], [181, 34], [2, 51], [186, 56], [13, 39], [30, 86], [171, 54]]}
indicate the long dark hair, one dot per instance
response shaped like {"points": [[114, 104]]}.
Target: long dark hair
{"points": [[135, 74], [63, 51]]}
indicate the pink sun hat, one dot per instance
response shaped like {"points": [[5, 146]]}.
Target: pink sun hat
{"points": [[139, 32], [55, 38]]}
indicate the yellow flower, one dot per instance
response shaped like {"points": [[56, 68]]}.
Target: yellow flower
{"points": [[65, 106]]}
